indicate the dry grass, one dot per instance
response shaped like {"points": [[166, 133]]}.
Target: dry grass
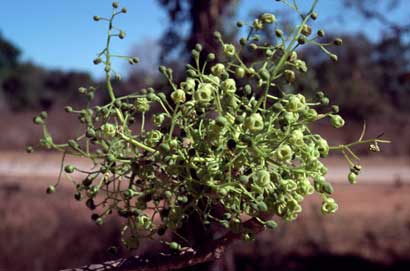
{"points": [[47, 233]]}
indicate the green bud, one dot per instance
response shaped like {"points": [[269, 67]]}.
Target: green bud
{"points": [[239, 24], [240, 72], [333, 57], [306, 30], [96, 18], [174, 246], [211, 57], [69, 169], [337, 121], [51, 189], [321, 33], [115, 4], [314, 16], [97, 61], [258, 24], [270, 224], [289, 76], [352, 177], [278, 33], [38, 120], [68, 109], [268, 18], [338, 42], [302, 40], [124, 10], [121, 35], [217, 35]]}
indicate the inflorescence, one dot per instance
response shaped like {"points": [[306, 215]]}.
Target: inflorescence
{"points": [[227, 136]]}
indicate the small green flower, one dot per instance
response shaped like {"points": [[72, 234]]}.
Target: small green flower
{"points": [[229, 49], [218, 69], [284, 153], [108, 129], [329, 206], [296, 103], [204, 93], [142, 104], [254, 122], [229, 86], [262, 178], [178, 96]]}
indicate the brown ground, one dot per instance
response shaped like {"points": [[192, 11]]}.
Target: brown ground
{"points": [[40, 232]]}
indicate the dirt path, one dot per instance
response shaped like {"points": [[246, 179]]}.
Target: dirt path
{"points": [[46, 165]]}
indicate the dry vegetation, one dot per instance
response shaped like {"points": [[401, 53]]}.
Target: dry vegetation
{"points": [[371, 230]]}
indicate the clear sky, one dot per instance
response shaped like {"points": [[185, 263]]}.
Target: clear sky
{"points": [[61, 34]]}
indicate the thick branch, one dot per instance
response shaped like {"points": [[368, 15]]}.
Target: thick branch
{"points": [[161, 262]]}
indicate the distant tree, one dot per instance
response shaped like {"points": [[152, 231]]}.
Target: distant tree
{"points": [[202, 18], [9, 55]]}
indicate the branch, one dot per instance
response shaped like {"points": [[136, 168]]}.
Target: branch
{"points": [[162, 262]]}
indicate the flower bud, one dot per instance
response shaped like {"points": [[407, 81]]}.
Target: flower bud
{"points": [[306, 30], [338, 42], [97, 61], [211, 57], [321, 33], [217, 35], [38, 120], [278, 33], [270, 224], [258, 24], [289, 76], [337, 121], [96, 18], [51, 189], [239, 24], [115, 4], [69, 169], [240, 72], [352, 177], [268, 18], [314, 16], [302, 40], [124, 10], [121, 35], [333, 57]]}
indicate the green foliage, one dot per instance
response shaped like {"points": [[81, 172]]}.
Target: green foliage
{"points": [[228, 138]]}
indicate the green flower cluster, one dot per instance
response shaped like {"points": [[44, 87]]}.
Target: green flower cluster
{"points": [[228, 137]]}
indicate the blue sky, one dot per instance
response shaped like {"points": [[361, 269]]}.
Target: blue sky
{"points": [[61, 34]]}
